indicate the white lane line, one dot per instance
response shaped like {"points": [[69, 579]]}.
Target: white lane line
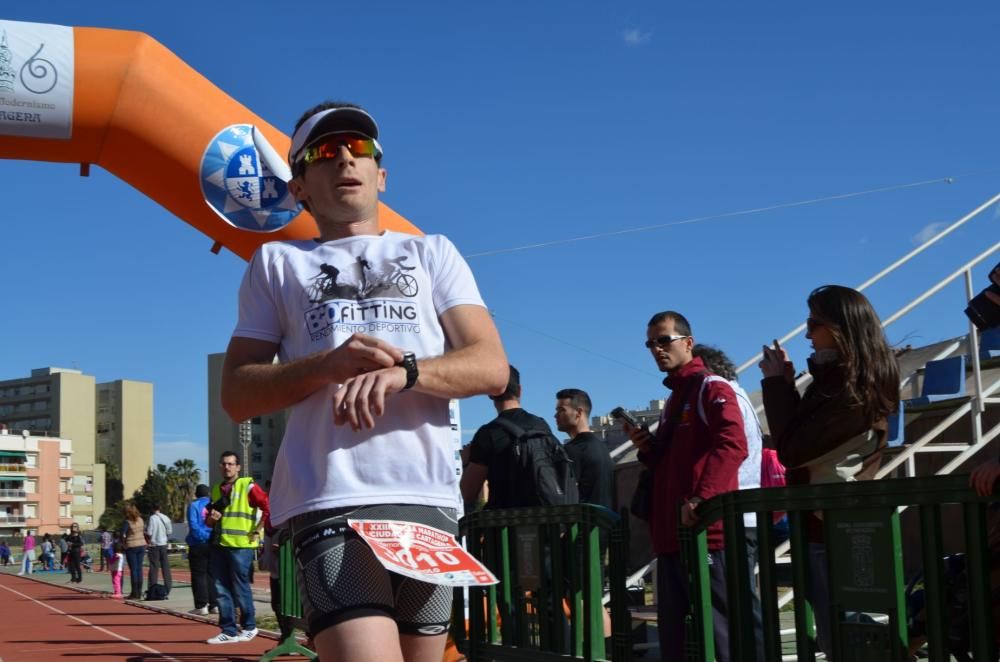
{"points": [[96, 627]]}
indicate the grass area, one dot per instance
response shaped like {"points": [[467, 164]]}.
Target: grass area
{"points": [[267, 622]]}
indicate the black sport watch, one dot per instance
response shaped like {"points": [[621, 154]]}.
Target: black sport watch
{"points": [[409, 363]]}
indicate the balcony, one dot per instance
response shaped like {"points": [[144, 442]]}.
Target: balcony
{"points": [[15, 521], [13, 468], [13, 495]]}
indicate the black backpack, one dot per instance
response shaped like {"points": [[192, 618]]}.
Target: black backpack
{"points": [[536, 469], [156, 592]]}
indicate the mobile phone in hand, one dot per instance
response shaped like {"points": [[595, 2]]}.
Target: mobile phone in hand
{"points": [[620, 414]]}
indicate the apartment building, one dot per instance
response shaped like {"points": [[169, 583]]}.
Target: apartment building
{"points": [[36, 484], [256, 440], [110, 422], [124, 425]]}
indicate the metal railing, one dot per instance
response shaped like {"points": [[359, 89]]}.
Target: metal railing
{"points": [[16, 467], [548, 603], [12, 493], [864, 568], [289, 605], [12, 519]]}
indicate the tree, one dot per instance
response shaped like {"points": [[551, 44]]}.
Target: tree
{"points": [[153, 492], [186, 477], [113, 517], [114, 489], [171, 488]]}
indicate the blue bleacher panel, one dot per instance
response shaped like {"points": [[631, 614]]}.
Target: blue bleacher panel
{"points": [[943, 380], [896, 427], [989, 344]]}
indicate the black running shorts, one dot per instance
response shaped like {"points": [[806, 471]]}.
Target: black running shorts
{"points": [[340, 578]]}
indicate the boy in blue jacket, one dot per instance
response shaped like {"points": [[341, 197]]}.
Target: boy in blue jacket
{"points": [[199, 550]]}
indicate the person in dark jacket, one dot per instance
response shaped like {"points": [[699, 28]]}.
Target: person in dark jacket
{"points": [[836, 430], [592, 462], [487, 450], [75, 542]]}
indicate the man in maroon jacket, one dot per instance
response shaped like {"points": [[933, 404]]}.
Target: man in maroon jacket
{"points": [[694, 457]]}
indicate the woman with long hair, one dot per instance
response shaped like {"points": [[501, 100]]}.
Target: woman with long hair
{"points": [[75, 541], [134, 539], [837, 429]]}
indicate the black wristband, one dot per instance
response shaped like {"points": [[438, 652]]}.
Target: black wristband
{"points": [[409, 363]]}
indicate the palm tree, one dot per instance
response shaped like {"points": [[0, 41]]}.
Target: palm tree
{"points": [[188, 476]]}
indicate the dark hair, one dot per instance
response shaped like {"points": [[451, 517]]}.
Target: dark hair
{"points": [[681, 325], [870, 368], [579, 399], [716, 361], [513, 386], [201, 491], [226, 454]]}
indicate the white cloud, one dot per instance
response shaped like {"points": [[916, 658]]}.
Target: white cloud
{"points": [[636, 36], [166, 452], [928, 231]]}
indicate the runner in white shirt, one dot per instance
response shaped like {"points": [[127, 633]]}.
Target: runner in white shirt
{"points": [[375, 332]]}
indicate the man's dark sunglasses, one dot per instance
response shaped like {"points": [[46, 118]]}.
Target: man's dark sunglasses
{"points": [[663, 341]]}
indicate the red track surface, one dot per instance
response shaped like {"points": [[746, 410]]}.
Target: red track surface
{"points": [[41, 622]]}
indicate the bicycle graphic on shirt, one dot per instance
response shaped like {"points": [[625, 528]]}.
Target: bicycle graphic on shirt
{"points": [[372, 281]]}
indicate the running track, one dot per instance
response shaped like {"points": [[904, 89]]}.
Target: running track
{"points": [[41, 622]]}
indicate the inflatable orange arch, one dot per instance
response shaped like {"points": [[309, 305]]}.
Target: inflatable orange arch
{"points": [[144, 115]]}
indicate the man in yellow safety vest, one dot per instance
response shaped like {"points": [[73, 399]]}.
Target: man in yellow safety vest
{"points": [[233, 512]]}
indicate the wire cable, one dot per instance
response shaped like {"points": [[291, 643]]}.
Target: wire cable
{"points": [[574, 346], [714, 217]]}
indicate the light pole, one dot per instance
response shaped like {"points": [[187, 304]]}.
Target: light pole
{"points": [[246, 437]]}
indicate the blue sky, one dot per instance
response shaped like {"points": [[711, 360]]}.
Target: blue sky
{"points": [[523, 123]]}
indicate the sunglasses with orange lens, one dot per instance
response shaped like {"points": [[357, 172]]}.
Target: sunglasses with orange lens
{"points": [[329, 148]]}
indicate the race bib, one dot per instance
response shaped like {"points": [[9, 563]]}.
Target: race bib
{"points": [[422, 552]]}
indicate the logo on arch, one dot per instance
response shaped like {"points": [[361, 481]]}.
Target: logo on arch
{"points": [[245, 180]]}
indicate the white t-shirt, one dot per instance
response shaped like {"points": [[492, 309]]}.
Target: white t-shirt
{"points": [[749, 474], [309, 296], [159, 527]]}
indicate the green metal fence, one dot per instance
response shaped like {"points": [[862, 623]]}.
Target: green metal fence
{"points": [[548, 604], [864, 562], [290, 606]]}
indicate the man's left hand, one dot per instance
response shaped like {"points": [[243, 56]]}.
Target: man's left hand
{"points": [[362, 398], [688, 515]]}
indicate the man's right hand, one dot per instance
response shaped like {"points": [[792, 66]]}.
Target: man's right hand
{"points": [[641, 437], [360, 354], [213, 516]]}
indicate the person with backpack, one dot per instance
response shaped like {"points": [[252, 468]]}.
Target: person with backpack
{"points": [[158, 530], [519, 457], [692, 459]]}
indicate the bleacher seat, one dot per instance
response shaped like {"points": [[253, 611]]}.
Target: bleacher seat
{"points": [[989, 344], [896, 427], [943, 380]]}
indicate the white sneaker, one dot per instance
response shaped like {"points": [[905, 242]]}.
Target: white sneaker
{"points": [[223, 638], [199, 611], [247, 635]]}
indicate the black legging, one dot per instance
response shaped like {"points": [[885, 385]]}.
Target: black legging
{"points": [[74, 565]]}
